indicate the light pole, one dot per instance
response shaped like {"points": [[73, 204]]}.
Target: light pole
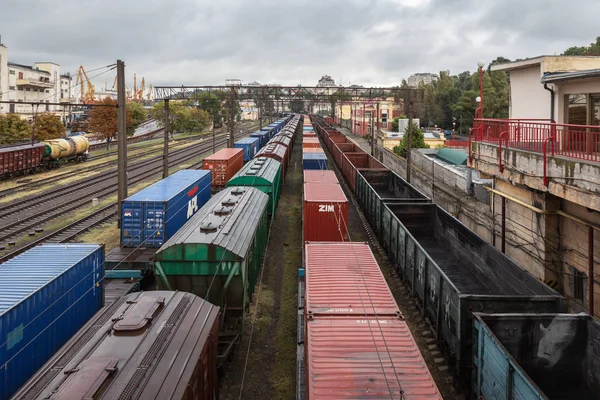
{"points": [[481, 64]]}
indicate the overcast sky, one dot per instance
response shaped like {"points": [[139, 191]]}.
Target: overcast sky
{"points": [[289, 42]]}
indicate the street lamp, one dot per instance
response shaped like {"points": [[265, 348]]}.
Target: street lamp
{"points": [[480, 64]]}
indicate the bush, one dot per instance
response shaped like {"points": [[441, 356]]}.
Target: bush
{"points": [[418, 141]]}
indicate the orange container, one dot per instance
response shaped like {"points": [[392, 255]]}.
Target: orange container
{"points": [[224, 164]]}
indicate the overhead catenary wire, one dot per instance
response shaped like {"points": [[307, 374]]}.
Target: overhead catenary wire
{"points": [[111, 66], [99, 280]]}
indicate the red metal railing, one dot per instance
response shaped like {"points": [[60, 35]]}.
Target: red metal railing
{"points": [[456, 143], [575, 141], [581, 142]]}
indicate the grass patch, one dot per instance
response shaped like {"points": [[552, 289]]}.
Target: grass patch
{"points": [[107, 234]]}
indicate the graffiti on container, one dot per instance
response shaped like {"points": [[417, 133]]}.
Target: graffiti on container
{"points": [[14, 337], [421, 271], [447, 310], [433, 288]]}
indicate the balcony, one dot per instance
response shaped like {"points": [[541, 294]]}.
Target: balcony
{"points": [[558, 158], [35, 83]]}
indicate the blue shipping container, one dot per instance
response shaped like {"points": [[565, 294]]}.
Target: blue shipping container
{"points": [[307, 128], [268, 129], [314, 161], [46, 295], [263, 138], [154, 214], [250, 146], [276, 127]]}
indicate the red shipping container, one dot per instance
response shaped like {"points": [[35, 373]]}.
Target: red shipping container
{"points": [[306, 134], [325, 214], [358, 358], [313, 150], [276, 152], [310, 142], [345, 279], [224, 164], [320, 176], [361, 161]]}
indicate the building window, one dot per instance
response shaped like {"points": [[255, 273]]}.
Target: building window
{"points": [[20, 75], [11, 71], [579, 282], [384, 119], [28, 89], [11, 87], [577, 109], [47, 91], [20, 101], [21, 89]]}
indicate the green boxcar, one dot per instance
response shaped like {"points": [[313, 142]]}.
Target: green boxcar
{"points": [[264, 174], [217, 255]]}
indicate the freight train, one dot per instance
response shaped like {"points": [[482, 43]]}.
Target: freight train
{"points": [[477, 301], [32, 158], [352, 340], [178, 338]]}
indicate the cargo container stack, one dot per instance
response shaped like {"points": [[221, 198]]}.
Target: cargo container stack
{"points": [[356, 341], [250, 145]]}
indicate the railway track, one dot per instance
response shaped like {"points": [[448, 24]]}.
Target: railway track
{"points": [[9, 232], [57, 178]]}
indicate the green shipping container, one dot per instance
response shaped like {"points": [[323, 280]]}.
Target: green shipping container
{"points": [[217, 255], [264, 174]]}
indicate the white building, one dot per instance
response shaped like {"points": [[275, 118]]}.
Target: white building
{"points": [[41, 82], [326, 81], [562, 88], [421, 77]]}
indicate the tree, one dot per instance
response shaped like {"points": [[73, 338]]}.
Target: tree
{"points": [[418, 141], [592, 50], [198, 120], [138, 115], [210, 103], [13, 129], [47, 126], [103, 120], [297, 106]]}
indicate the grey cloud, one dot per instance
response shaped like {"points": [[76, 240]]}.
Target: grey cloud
{"points": [[289, 41]]}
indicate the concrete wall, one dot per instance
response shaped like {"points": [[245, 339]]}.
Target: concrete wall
{"points": [[528, 98], [578, 182]]}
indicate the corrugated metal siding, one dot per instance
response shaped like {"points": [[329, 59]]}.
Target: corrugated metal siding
{"points": [[235, 230], [314, 161], [264, 174], [278, 153], [310, 142], [355, 358], [46, 295], [325, 213], [345, 279], [249, 145], [224, 164], [176, 349], [322, 176], [262, 136], [150, 218]]}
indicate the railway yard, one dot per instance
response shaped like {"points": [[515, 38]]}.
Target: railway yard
{"points": [[292, 266]]}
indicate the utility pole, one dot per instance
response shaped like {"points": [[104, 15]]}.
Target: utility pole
{"points": [[166, 140], [122, 138], [232, 119], [376, 132], [409, 135], [213, 134]]}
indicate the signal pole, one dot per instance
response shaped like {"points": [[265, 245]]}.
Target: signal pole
{"points": [[121, 137], [409, 136], [166, 140]]}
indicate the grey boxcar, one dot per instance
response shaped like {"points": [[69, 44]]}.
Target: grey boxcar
{"points": [[452, 272]]}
